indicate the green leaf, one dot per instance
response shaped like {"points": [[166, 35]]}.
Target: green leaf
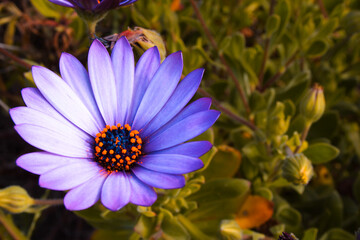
{"points": [[195, 232], [234, 45], [224, 164], [145, 226], [310, 234], [326, 127], [337, 234], [272, 24], [219, 198], [101, 218], [288, 216], [295, 89], [172, 229], [49, 9], [283, 10], [100, 234], [321, 152], [317, 48]]}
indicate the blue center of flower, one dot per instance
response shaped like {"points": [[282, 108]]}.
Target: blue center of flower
{"points": [[117, 148]]}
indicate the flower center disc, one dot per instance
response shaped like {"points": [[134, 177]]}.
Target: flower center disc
{"points": [[117, 148]]}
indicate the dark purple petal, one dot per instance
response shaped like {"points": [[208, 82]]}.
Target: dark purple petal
{"points": [[64, 3], [141, 193], [76, 76], [182, 131], [191, 149], [21, 115], [161, 86], [64, 99], [41, 162], [181, 96], [145, 69], [103, 82], [52, 141], [126, 2], [116, 191], [71, 175], [171, 163], [85, 195], [111, 4], [89, 5], [159, 180], [123, 63]]}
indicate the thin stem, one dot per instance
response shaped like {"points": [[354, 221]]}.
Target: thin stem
{"points": [[15, 58], [11, 228], [263, 63], [266, 50], [92, 28], [48, 201], [4, 106], [303, 137], [282, 70], [322, 9], [226, 111], [221, 56]]}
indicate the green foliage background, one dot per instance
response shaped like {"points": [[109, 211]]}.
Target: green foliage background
{"points": [[276, 51]]}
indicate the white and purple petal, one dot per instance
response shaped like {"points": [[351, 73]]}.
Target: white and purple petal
{"points": [[145, 69], [181, 96], [116, 191], [41, 162], [70, 175], [158, 179], [86, 194], [141, 193], [64, 100], [76, 76], [103, 82], [122, 58], [191, 149], [48, 140], [182, 131], [171, 163], [160, 88]]}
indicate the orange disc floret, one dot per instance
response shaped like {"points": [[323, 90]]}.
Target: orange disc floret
{"points": [[117, 148]]}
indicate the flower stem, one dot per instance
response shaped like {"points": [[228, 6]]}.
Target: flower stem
{"points": [[226, 111], [221, 56], [323, 9], [266, 50], [15, 58], [303, 136], [279, 73], [48, 201], [92, 28], [10, 227]]}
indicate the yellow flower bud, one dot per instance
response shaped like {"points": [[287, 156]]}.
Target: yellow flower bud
{"points": [[230, 229], [312, 106], [297, 169], [15, 199], [278, 123]]}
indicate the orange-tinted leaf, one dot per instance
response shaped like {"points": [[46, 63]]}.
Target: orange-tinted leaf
{"points": [[254, 212]]}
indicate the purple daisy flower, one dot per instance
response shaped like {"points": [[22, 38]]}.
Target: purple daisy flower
{"points": [[94, 6], [115, 132]]}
